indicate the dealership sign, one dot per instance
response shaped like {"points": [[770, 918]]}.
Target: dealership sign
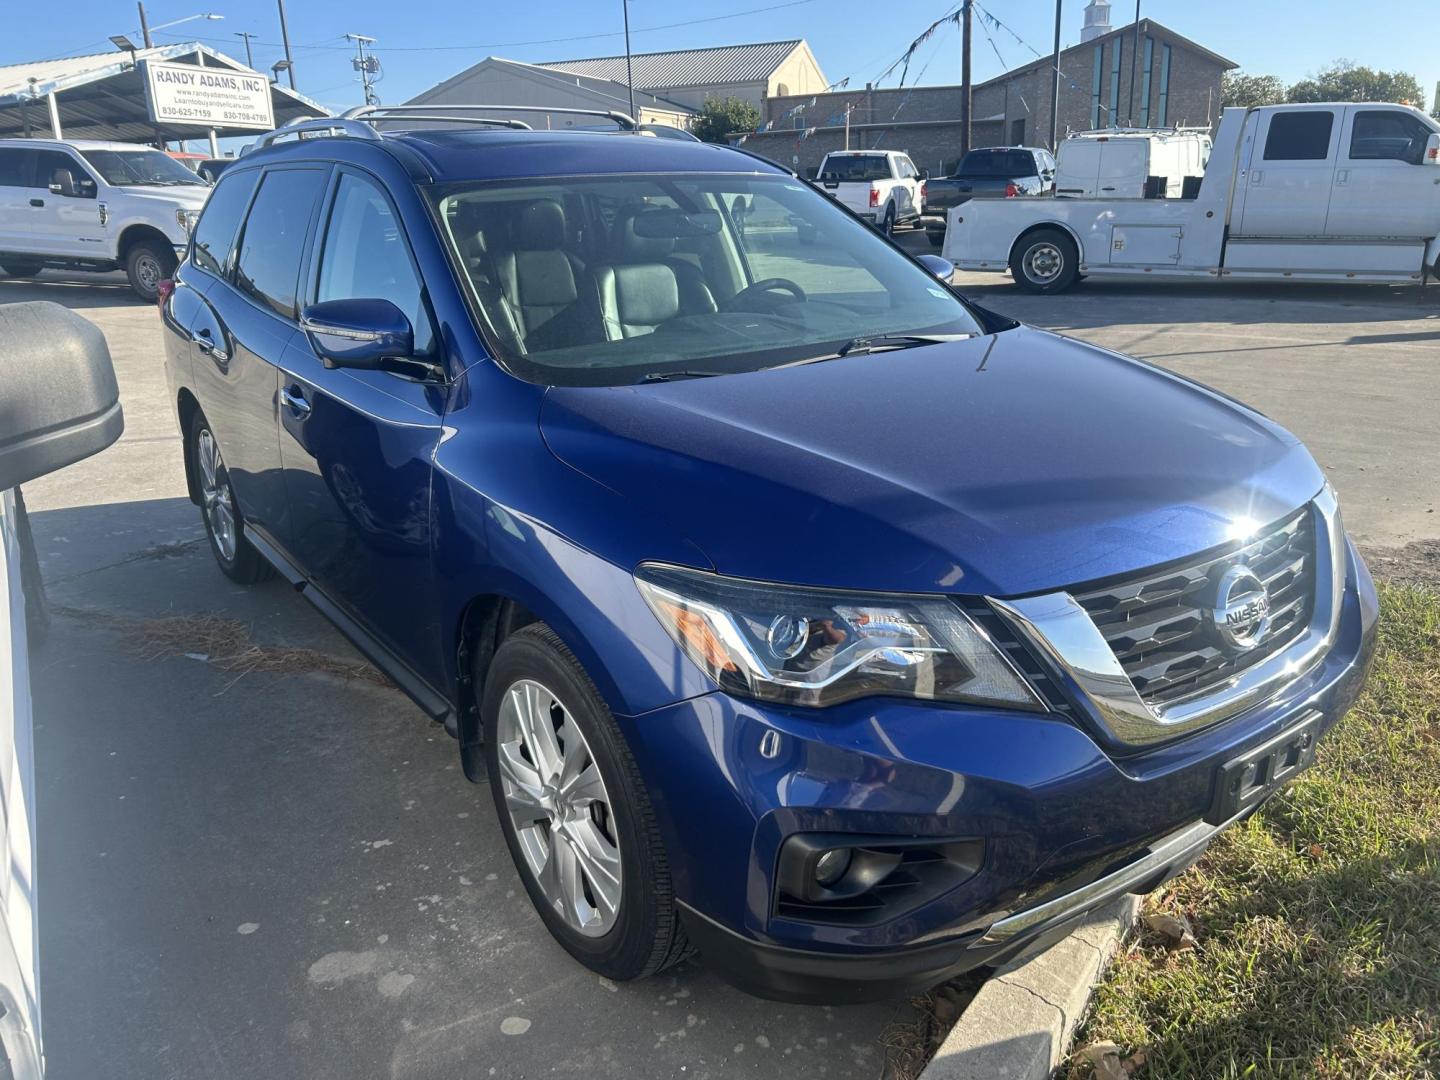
{"points": [[211, 97]]}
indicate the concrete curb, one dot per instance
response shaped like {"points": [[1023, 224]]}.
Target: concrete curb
{"points": [[1020, 1024]]}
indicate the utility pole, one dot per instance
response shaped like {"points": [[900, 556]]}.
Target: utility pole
{"points": [[629, 75], [367, 66], [965, 87], [1055, 85], [1134, 66], [144, 24], [285, 37], [249, 58]]}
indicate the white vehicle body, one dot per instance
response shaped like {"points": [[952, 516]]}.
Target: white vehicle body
{"points": [[1313, 192], [99, 224], [1115, 164], [19, 961], [887, 184]]}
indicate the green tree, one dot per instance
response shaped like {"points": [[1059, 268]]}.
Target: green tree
{"points": [[1346, 80], [1238, 89], [719, 118]]}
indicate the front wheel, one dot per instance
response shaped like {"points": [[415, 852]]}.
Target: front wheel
{"points": [[146, 265], [936, 237], [575, 812], [1045, 261]]}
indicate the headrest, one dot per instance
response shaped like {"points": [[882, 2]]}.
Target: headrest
{"points": [[646, 295], [637, 248], [539, 226]]}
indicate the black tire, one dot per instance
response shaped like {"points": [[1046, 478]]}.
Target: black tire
{"points": [[20, 268], [239, 561], [888, 225], [147, 263], [936, 237], [1045, 261], [646, 935]]}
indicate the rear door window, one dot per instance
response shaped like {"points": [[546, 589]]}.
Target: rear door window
{"points": [[16, 167], [268, 265], [366, 256], [215, 232], [863, 167], [1299, 136]]}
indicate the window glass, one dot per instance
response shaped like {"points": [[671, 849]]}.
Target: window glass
{"points": [[274, 238], [856, 167], [47, 161], [15, 167], [1164, 85], [1145, 82], [1299, 136], [140, 167], [606, 281], [1095, 86], [1117, 58], [215, 232], [365, 256], [1386, 135], [1008, 164]]}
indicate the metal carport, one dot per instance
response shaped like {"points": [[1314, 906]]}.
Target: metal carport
{"points": [[102, 96]]}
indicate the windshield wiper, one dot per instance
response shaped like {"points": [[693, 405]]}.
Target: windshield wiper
{"points": [[879, 343], [666, 376]]}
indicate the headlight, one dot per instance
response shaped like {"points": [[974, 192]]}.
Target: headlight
{"points": [[187, 218], [805, 646]]}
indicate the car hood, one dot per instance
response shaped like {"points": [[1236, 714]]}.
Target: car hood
{"points": [[999, 465], [185, 197]]}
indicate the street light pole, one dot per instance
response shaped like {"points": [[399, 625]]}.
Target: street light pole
{"points": [[285, 37], [629, 74], [1055, 86], [966, 88], [144, 25]]}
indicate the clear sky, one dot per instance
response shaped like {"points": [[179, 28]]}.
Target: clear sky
{"points": [[421, 42]]}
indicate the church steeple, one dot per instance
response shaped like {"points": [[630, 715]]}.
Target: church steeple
{"points": [[1097, 20]]}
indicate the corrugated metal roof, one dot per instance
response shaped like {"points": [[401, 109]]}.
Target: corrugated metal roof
{"points": [[688, 67]]}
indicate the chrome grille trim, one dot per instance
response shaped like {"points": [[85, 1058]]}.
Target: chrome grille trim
{"points": [[1068, 638]]}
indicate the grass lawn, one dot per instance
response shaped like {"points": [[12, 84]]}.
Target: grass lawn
{"points": [[1317, 921]]}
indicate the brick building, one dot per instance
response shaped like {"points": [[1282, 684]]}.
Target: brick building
{"points": [[1176, 82]]}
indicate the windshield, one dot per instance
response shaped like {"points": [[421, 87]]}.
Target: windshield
{"points": [[979, 164], [608, 280], [856, 167], [130, 168]]}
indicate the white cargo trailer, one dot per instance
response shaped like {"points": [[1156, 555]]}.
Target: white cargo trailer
{"points": [[1316, 192]]}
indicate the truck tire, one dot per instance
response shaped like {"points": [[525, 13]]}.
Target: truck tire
{"points": [[1045, 261], [888, 225], [147, 264], [936, 237], [20, 268]]}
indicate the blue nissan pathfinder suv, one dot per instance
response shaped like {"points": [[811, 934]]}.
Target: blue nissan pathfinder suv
{"points": [[796, 610]]}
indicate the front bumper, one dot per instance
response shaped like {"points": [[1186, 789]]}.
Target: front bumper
{"points": [[1066, 826]]}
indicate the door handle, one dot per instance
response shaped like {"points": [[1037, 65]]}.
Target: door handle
{"points": [[37, 202], [1342, 177], [205, 342], [295, 399], [1256, 178]]}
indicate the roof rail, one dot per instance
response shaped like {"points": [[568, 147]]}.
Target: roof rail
{"points": [[376, 113]]}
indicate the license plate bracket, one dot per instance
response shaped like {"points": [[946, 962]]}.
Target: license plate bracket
{"points": [[1244, 782]]}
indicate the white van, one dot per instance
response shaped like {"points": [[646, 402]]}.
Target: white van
{"points": [[1117, 163]]}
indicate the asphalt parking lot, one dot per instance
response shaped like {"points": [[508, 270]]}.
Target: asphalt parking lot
{"points": [[257, 861]]}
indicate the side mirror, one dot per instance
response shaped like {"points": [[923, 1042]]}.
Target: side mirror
{"points": [[924, 174], [1432, 149], [357, 333], [58, 398], [62, 183], [943, 269]]}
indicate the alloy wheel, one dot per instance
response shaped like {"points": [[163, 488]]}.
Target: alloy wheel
{"points": [[559, 808], [215, 496]]}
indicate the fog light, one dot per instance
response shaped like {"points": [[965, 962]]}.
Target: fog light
{"points": [[830, 867]]}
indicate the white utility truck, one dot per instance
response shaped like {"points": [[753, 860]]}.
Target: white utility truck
{"points": [[1121, 163], [1313, 192]]}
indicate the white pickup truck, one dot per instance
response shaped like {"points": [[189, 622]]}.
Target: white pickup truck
{"points": [[87, 205], [882, 186], [1315, 192]]}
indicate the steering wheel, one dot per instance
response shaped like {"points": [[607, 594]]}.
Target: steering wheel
{"points": [[763, 287]]}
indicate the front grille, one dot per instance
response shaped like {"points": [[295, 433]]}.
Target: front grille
{"points": [[1158, 624]]}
